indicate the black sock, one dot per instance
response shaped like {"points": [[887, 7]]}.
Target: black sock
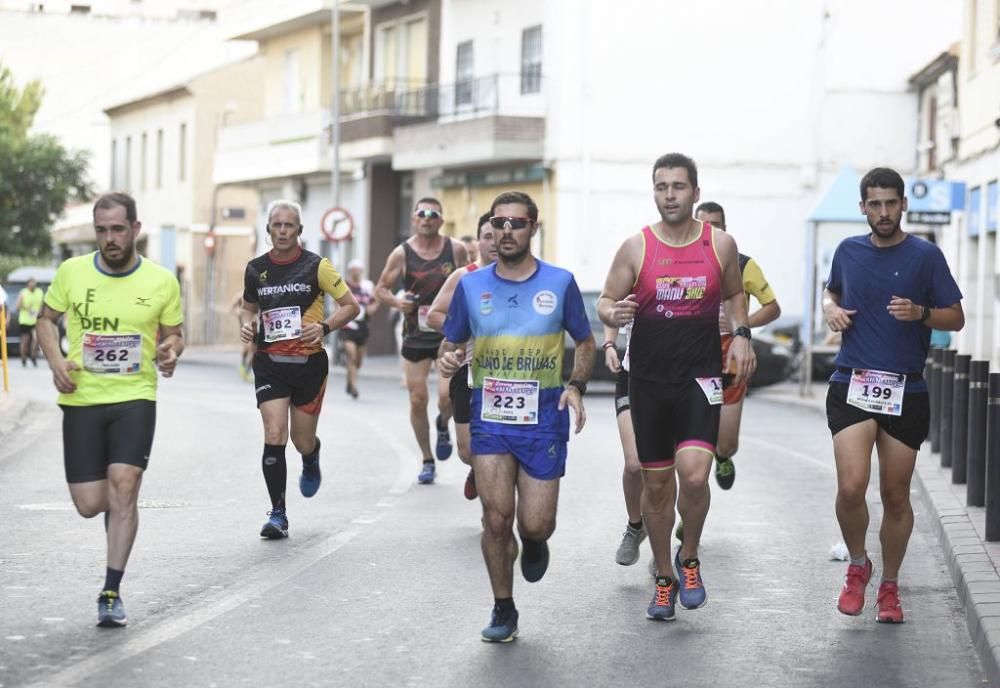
{"points": [[441, 423], [637, 525], [722, 458], [275, 473], [113, 579], [428, 460], [504, 605], [532, 548], [313, 455]]}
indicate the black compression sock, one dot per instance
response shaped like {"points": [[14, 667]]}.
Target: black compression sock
{"points": [[113, 579], [313, 455], [275, 473], [504, 605], [637, 525]]}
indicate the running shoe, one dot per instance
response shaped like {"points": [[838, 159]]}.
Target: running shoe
{"points": [[470, 486], [663, 606], [443, 448], [628, 550], [534, 560], [311, 477], [276, 526], [852, 595], [352, 391], [426, 476], [502, 628], [889, 608], [110, 610], [725, 472], [690, 588]]}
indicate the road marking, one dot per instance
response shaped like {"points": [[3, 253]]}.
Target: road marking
{"points": [[827, 465]]}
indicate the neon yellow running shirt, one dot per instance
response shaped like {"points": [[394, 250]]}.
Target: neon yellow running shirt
{"points": [[112, 321], [31, 306]]}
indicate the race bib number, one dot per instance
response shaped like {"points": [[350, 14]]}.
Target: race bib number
{"points": [[877, 391], [512, 402], [422, 325], [712, 387], [112, 354], [282, 323]]}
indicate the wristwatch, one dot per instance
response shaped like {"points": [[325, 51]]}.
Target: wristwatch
{"points": [[925, 313], [608, 344], [581, 386], [326, 328], [742, 332]]}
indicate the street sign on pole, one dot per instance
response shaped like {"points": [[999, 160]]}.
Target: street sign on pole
{"points": [[337, 225]]}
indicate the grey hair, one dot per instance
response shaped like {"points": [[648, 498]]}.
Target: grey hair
{"points": [[283, 204]]}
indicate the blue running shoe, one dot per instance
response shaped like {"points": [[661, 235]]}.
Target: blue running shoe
{"points": [[443, 448], [663, 605], [311, 477], [426, 476], [276, 526], [692, 590], [534, 560], [502, 628], [110, 610]]}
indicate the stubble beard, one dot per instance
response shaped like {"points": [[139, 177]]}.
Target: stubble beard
{"points": [[128, 252]]}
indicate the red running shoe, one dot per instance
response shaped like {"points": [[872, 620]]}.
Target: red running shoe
{"points": [[889, 609], [852, 595]]}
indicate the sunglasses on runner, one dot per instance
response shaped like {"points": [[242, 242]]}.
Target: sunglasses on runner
{"points": [[428, 214], [515, 222]]}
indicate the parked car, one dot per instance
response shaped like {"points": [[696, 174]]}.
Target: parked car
{"points": [[16, 281], [774, 355], [825, 347]]}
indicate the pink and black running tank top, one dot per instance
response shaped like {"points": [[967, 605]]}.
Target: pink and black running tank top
{"points": [[424, 278], [675, 336]]}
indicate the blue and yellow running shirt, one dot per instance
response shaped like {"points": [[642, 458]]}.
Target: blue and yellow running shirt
{"points": [[519, 330]]}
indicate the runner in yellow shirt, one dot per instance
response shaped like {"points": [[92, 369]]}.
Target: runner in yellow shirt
{"points": [[28, 306], [123, 319]]}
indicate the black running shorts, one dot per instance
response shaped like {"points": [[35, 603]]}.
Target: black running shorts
{"points": [[96, 436], [910, 428], [460, 395], [304, 383], [670, 417], [415, 355], [358, 336], [621, 392]]}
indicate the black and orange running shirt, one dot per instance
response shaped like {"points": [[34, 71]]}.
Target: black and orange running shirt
{"points": [[289, 295]]}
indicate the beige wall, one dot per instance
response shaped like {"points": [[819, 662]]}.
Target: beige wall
{"points": [[979, 75], [309, 44]]}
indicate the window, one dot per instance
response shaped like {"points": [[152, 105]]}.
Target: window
{"points": [[128, 163], [974, 205], [142, 162], [992, 211], [182, 152], [292, 82], [159, 158], [114, 164], [464, 70], [531, 60], [401, 53]]}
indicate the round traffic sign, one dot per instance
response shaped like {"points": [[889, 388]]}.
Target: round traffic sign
{"points": [[337, 225]]}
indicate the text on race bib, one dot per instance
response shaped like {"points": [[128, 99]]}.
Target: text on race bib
{"points": [[876, 391], [112, 354], [512, 402], [422, 325], [282, 323], [712, 387]]}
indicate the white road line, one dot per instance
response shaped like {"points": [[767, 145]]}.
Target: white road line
{"points": [[771, 446]]}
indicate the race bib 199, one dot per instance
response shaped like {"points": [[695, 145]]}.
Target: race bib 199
{"points": [[513, 402], [712, 387], [876, 391], [282, 323], [114, 354]]}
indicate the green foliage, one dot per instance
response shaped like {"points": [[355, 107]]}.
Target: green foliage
{"points": [[38, 176], [9, 264]]}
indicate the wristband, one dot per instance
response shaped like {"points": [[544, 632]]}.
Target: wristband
{"points": [[326, 328], [607, 345], [742, 332], [580, 385]]}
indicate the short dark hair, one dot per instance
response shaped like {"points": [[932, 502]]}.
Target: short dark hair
{"points": [[882, 178], [515, 197], [671, 160], [428, 199], [712, 207], [483, 219], [115, 199]]}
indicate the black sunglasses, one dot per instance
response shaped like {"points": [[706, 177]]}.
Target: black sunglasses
{"points": [[515, 222], [428, 214]]}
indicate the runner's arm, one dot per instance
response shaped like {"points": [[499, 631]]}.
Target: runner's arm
{"points": [[742, 361], [248, 320], [615, 307], [169, 349], [48, 339], [460, 252], [439, 308], [390, 275], [757, 285], [837, 318], [611, 352], [19, 301]]}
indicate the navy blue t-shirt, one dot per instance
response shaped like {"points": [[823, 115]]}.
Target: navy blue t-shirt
{"points": [[866, 278]]}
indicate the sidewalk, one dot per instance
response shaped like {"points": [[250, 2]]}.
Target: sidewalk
{"points": [[972, 561]]}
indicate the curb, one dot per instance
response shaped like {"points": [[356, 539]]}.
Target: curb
{"points": [[969, 559]]}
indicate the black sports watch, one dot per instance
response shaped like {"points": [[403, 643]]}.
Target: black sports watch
{"points": [[925, 313], [581, 386], [326, 328], [743, 332]]}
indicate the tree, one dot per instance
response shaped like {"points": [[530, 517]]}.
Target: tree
{"points": [[38, 175]]}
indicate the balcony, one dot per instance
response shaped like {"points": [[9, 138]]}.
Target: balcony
{"points": [[500, 117]]}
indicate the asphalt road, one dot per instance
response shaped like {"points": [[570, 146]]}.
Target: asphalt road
{"points": [[382, 583]]}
